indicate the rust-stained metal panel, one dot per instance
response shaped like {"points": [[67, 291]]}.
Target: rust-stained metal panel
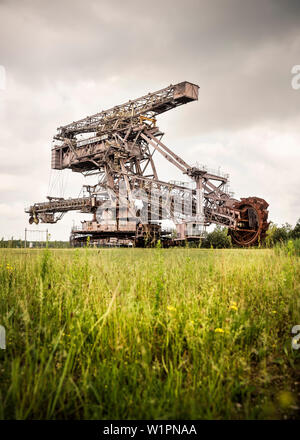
{"points": [[186, 92], [56, 159]]}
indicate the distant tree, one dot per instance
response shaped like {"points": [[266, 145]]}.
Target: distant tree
{"points": [[276, 234], [218, 238], [295, 233]]}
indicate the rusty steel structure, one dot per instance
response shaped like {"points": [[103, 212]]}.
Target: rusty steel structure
{"points": [[118, 146]]}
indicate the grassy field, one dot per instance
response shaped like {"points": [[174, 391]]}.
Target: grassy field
{"points": [[154, 333]]}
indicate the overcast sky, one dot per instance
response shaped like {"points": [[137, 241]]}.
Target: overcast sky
{"points": [[67, 59]]}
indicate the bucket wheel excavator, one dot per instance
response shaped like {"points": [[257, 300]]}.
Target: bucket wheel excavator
{"points": [[118, 145]]}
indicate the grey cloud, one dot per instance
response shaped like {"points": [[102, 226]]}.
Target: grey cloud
{"points": [[67, 59]]}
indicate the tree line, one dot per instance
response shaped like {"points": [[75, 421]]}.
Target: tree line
{"points": [[219, 237], [18, 243]]}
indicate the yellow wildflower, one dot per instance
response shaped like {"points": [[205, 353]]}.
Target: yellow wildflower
{"points": [[286, 399], [274, 312], [233, 307], [171, 308], [219, 330]]}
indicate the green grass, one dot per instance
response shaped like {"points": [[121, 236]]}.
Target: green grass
{"points": [[131, 333]]}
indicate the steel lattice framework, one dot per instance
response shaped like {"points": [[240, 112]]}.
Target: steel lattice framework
{"points": [[118, 146]]}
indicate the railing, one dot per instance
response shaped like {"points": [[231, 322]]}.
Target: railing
{"points": [[211, 170]]}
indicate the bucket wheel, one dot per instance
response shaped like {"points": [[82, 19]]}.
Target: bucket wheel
{"points": [[253, 224]]}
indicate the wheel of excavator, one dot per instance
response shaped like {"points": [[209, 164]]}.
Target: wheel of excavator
{"points": [[253, 223]]}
